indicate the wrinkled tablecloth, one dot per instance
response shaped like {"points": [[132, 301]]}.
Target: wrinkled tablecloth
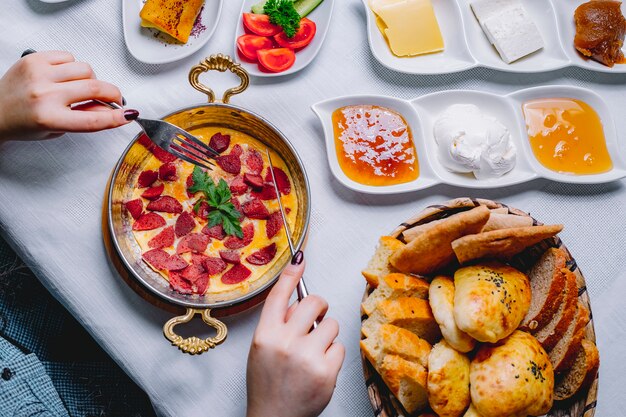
{"points": [[51, 195]]}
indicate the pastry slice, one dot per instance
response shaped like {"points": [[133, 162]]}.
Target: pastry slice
{"points": [[378, 265], [174, 17], [432, 250], [406, 380], [394, 340], [392, 286], [501, 244]]}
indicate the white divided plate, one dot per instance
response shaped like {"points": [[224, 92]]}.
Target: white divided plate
{"points": [[153, 47], [466, 46], [421, 113], [321, 16]]}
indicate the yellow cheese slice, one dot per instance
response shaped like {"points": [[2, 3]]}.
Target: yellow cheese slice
{"points": [[410, 26]]}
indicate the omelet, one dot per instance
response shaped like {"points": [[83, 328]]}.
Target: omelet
{"points": [[171, 225]]}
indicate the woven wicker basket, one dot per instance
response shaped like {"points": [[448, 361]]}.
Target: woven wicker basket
{"points": [[582, 405]]}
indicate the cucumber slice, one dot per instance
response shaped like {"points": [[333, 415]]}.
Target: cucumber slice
{"points": [[258, 8], [303, 7]]}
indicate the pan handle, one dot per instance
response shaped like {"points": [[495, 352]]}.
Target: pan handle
{"points": [[220, 63], [195, 345]]}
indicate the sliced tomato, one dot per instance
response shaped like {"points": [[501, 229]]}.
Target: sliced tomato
{"points": [[302, 38], [260, 24], [276, 60], [248, 45]]}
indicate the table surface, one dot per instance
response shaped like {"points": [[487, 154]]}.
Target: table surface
{"points": [[52, 195]]}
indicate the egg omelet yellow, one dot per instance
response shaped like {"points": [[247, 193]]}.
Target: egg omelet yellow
{"points": [[177, 188]]}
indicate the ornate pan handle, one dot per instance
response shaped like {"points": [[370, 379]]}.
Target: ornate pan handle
{"points": [[220, 63], [195, 345]]}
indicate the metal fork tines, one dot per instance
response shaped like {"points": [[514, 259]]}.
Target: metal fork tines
{"points": [[175, 140]]}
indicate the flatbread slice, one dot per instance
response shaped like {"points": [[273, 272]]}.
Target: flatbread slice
{"points": [[501, 244], [432, 250]]}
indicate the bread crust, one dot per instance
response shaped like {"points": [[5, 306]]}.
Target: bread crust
{"points": [[432, 249], [379, 265], [553, 297], [501, 244], [564, 360], [550, 335]]}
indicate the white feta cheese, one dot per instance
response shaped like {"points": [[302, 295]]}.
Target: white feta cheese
{"points": [[513, 33]]}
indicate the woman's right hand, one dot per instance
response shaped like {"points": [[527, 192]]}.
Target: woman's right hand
{"points": [[292, 370], [37, 91]]}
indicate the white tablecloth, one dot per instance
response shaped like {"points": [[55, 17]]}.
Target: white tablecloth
{"points": [[51, 196]]}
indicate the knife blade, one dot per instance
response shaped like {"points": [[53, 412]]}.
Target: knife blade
{"points": [[301, 289]]}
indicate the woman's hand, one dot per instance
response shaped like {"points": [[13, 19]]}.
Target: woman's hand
{"points": [[292, 370], [37, 91]]}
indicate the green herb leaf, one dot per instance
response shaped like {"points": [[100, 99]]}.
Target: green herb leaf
{"points": [[284, 14], [219, 197]]}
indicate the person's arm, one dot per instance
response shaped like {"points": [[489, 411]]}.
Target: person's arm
{"points": [[37, 91], [292, 370]]}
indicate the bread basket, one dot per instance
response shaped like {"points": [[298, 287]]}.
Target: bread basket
{"points": [[583, 404]]}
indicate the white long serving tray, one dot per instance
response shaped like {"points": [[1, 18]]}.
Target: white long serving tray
{"points": [[421, 113], [153, 47], [466, 46], [321, 16]]}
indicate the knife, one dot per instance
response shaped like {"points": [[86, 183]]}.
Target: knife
{"points": [[301, 288]]}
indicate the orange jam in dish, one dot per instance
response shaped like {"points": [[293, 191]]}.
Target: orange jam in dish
{"points": [[566, 136], [374, 145]]}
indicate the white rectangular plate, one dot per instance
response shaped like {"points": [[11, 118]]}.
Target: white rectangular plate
{"points": [[421, 113], [466, 46]]}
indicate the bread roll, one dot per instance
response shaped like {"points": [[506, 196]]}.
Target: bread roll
{"points": [[441, 299], [448, 380], [513, 377], [490, 300]]}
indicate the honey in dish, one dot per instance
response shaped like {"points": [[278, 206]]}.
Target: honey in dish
{"points": [[374, 145], [566, 136]]}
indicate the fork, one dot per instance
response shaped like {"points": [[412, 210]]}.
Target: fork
{"points": [[174, 140], [170, 138]]}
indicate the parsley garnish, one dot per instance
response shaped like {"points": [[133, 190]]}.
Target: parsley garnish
{"points": [[283, 14], [219, 197]]}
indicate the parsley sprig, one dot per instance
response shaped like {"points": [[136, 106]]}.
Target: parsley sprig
{"points": [[284, 14], [219, 197]]}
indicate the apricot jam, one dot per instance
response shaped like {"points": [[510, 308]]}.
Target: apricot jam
{"points": [[566, 135], [374, 145]]}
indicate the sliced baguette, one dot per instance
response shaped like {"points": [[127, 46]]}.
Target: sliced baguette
{"points": [[550, 335], [379, 263], [432, 249], [413, 314], [547, 284], [406, 380], [392, 286], [582, 374], [394, 340], [564, 353]]}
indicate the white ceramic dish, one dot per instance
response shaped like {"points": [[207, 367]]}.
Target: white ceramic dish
{"points": [[466, 46], [153, 47], [421, 113], [321, 16], [52, 1]]}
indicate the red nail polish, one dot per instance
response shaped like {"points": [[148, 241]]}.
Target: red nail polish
{"points": [[297, 258], [131, 114]]}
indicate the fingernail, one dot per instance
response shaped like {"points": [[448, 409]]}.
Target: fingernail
{"points": [[297, 258], [28, 52], [131, 114], [123, 101]]}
